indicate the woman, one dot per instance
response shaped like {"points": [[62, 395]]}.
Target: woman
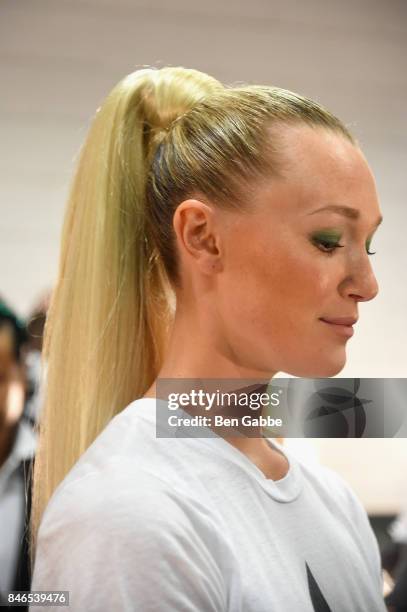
{"points": [[210, 194]]}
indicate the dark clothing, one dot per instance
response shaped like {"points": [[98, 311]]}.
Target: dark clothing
{"points": [[398, 597], [22, 580]]}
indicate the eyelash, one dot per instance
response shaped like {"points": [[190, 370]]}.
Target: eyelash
{"points": [[332, 246]]}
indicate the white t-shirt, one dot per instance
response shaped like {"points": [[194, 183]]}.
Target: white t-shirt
{"points": [[192, 525]]}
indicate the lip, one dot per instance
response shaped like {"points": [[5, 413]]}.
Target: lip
{"points": [[341, 320], [341, 325]]}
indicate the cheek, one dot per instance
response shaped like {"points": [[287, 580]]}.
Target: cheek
{"points": [[280, 288], [274, 285], [273, 305]]}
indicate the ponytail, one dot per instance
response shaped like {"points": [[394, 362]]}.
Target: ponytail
{"points": [[112, 305]]}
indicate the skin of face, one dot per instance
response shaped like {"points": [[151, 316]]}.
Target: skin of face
{"points": [[6, 365], [12, 380], [12, 392], [255, 284]]}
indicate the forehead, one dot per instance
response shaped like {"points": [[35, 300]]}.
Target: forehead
{"points": [[321, 167]]}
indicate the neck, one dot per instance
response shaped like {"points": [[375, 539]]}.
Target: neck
{"points": [[200, 348]]}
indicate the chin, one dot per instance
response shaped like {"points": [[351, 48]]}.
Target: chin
{"points": [[327, 372], [325, 369]]}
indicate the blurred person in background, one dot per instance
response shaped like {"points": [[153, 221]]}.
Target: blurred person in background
{"points": [[394, 560], [33, 357], [17, 447], [212, 193]]}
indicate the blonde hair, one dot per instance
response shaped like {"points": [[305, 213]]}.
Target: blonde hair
{"points": [[161, 135]]}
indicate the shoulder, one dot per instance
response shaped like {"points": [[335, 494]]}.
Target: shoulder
{"points": [[128, 474], [108, 526], [122, 497], [137, 510]]}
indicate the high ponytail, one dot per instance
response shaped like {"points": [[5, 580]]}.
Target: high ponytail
{"points": [[160, 136], [112, 305]]}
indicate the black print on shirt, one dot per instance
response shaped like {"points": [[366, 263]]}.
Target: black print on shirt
{"points": [[318, 600]]}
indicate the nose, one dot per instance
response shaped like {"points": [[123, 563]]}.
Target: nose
{"points": [[361, 284]]}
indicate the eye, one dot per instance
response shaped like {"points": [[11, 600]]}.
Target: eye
{"points": [[326, 246]]}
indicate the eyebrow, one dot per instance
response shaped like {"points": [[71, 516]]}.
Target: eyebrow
{"points": [[346, 211]]}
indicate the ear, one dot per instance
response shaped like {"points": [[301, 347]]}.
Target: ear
{"points": [[197, 227]]}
